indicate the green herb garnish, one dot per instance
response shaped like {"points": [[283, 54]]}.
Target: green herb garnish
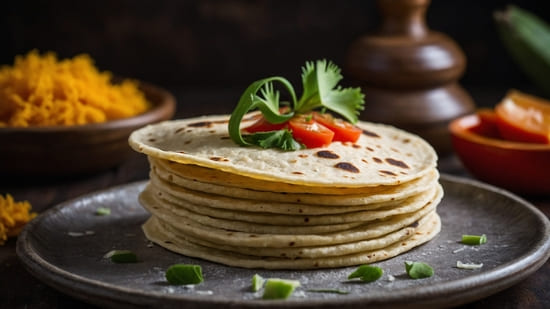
{"points": [[474, 239], [281, 139], [320, 90], [332, 291], [279, 288], [367, 273], [180, 274], [418, 270], [257, 282], [121, 256], [103, 211]]}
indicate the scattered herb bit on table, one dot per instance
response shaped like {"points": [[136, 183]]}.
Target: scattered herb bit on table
{"points": [[474, 240], [183, 274], [257, 282], [418, 270], [367, 273], [279, 288], [295, 125], [103, 211], [470, 266], [121, 256]]}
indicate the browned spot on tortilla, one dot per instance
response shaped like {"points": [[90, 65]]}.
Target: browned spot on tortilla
{"points": [[224, 137], [297, 173], [306, 219], [397, 163], [187, 142], [303, 155], [291, 243], [356, 146], [300, 210], [181, 151], [212, 131], [316, 264], [377, 160], [229, 234], [283, 254], [414, 224], [189, 130], [152, 140], [218, 159], [168, 242], [179, 130], [394, 150], [346, 166], [200, 124], [369, 148], [388, 173], [252, 235], [406, 140], [327, 154], [365, 160], [370, 133], [292, 161]]}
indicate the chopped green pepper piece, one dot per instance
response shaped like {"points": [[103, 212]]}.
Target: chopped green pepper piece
{"points": [[279, 288], [103, 211], [474, 239], [121, 256], [418, 270], [367, 273], [257, 282], [180, 274]]}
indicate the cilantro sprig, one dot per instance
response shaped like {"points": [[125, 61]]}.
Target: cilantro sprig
{"points": [[320, 90]]}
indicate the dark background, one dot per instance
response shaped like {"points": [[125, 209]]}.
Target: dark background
{"points": [[199, 46]]}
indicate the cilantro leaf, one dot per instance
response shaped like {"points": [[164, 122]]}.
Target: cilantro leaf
{"points": [[320, 90], [267, 102], [281, 139], [320, 80]]}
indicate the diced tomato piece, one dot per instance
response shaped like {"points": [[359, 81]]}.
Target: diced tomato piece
{"points": [[262, 125], [309, 132], [524, 118], [343, 130]]}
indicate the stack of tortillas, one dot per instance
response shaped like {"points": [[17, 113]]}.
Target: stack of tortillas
{"points": [[340, 205]]}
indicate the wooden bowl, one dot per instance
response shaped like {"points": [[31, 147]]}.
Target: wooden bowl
{"points": [[81, 149], [523, 168]]}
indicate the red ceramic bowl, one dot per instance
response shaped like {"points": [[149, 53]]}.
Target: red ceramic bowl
{"points": [[523, 168]]}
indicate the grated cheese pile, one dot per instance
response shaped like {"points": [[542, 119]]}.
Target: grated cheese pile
{"points": [[39, 90], [13, 216]]}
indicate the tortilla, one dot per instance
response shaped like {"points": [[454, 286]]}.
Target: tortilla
{"points": [[383, 155], [389, 193], [218, 235], [300, 219], [155, 232], [340, 205]]}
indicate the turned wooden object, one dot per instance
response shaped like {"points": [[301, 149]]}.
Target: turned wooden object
{"points": [[409, 73]]}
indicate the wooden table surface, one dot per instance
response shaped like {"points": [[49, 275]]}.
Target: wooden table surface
{"points": [[19, 289]]}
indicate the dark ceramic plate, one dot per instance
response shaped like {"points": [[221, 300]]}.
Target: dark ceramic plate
{"points": [[52, 250]]}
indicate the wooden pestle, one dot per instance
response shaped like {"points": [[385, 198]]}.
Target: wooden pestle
{"points": [[409, 74]]}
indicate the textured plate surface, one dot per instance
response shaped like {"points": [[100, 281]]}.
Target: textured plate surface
{"points": [[64, 247]]}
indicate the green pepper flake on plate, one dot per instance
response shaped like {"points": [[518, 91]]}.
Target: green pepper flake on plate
{"points": [[183, 274], [279, 288]]}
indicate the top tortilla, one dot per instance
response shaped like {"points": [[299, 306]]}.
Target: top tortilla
{"points": [[383, 155]]}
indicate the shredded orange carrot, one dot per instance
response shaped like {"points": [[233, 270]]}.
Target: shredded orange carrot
{"points": [[13, 216], [42, 91]]}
